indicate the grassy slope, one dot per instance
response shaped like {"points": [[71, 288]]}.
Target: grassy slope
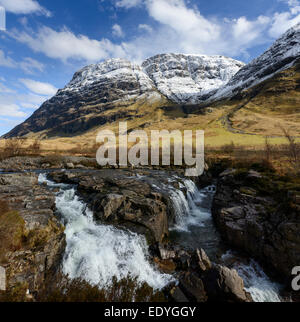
{"points": [[272, 104]]}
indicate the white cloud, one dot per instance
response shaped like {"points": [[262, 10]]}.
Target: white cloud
{"points": [[145, 27], [6, 61], [65, 45], [176, 15], [5, 89], [24, 7], [282, 21], [30, 65], [11, 110], [249, 32], [176, 27], [14, 104], [128, 3], [117, 31], [39, 87]]}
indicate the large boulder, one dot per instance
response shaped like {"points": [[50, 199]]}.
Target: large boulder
{"points": [[224, 284], [120, 197]]}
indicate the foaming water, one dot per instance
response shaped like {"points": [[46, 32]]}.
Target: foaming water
{"points": [[181, 209], [192, 209], [97, 253], [197, 230], [199, 203], [257, 283]]}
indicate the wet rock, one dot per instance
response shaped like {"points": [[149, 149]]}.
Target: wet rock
{"points": [[192, 286], [165, 265], [254, 174], [224, 284], [203, 260], [120, 197], [70, 165], [178, 296], [228, 172], [111, 204], [258, 221]]}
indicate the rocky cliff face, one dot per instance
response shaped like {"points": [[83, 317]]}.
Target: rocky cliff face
{"points": [[190, 78], [281, 55], [259, 215]]}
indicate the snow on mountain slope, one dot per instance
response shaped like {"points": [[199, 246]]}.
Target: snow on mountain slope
{"points": [[190, 78], [280, 56], [115, 73], [94, 90]]}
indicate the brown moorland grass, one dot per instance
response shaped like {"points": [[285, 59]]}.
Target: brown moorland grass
{"points": [[12, 227]]}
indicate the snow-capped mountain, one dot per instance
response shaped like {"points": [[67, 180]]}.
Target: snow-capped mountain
{"points": [[190, 78], [126, 79], [101, 93], [281, 55], [93, 90], [181, 78]]}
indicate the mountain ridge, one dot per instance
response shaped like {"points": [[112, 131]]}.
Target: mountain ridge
{"points": [[280, 56], [117, 89]]}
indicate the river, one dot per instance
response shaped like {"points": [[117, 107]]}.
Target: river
{"points": [[97, 252]]}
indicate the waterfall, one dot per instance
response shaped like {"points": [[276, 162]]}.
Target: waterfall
{"points": [[181, 209], [258, 284], [198, 214], [97, 253], [189, 210]]}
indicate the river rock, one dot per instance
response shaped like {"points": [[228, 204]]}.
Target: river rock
{"points": [[261, 223], [203, 260], [224, 284], [121, 197], [45, 239], [178, 296], [192, 286]]}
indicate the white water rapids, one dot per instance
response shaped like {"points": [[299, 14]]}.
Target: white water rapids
{"points": [[192, 211], [188, 210], [97, 253]]}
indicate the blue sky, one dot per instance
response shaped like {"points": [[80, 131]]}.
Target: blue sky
{"points": [[46, 41]]}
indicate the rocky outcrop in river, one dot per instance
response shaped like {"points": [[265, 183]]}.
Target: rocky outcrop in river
{"points": [[140, 201], [257, 213]]}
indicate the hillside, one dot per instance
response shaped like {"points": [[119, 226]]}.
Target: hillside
{"points": [[228, 100]]}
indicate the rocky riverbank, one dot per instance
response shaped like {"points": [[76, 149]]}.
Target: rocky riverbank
{"points": [[32, 238], [130, 200], [22, 163], [259, 213], [120, 198], [250, 210]]}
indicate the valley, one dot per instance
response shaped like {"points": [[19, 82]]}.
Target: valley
{"points": [[148, 233]]}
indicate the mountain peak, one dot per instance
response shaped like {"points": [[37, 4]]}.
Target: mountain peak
{"points": [[111, 69], [190, 78]]}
